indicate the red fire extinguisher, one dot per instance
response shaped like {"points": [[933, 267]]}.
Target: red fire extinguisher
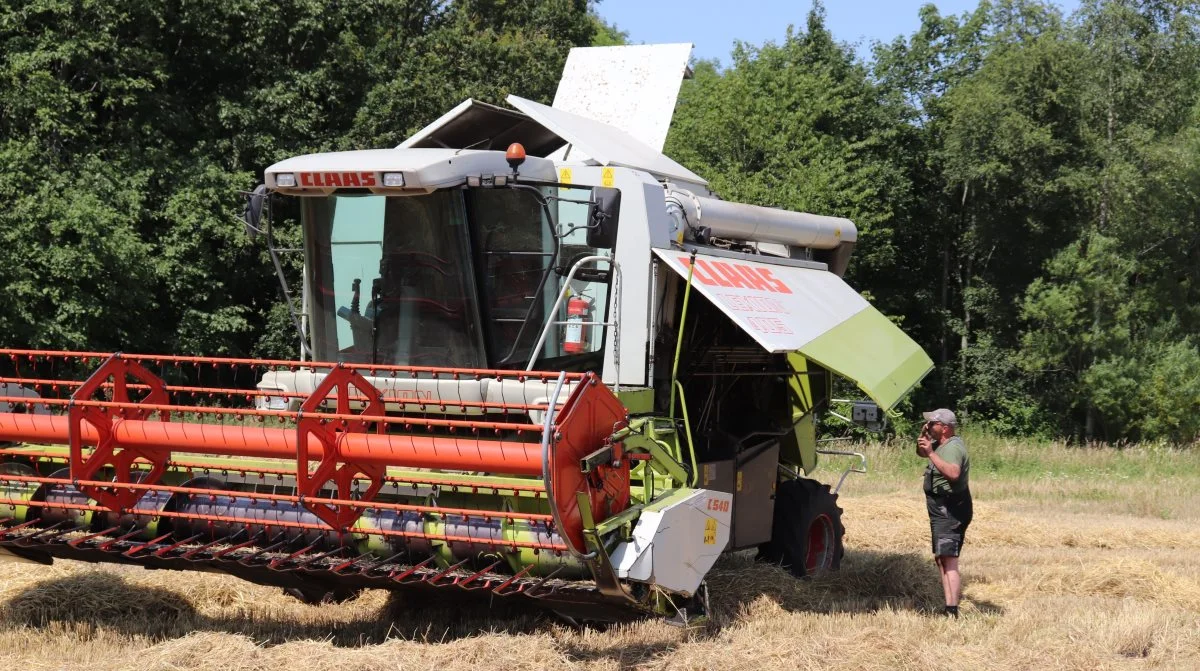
{"points": [[576, 340]]}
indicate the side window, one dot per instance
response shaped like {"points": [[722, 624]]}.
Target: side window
{"points": [[587, 297], [521, 276]]}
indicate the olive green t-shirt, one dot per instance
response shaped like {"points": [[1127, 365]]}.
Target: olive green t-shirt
{"points": [[953, 451]]}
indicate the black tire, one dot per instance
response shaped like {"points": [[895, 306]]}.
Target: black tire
{"points": [[807, 533]]}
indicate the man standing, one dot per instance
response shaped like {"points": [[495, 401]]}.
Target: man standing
{"points": [[947, 497]]}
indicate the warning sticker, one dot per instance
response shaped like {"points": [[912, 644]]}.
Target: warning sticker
{"points": [[710, 531]]}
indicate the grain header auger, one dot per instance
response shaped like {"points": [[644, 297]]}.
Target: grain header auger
{"points": [[538, 359]]}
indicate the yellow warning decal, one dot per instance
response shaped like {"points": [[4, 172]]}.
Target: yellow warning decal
{"points": [[710, 531], [564, 175], [606, 176], [739, 482]]}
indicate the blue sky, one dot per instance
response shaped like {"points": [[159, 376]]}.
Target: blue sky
{"points": [[713, 25]]}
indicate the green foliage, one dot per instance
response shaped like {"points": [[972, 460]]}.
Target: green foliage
{"points": [[1063, 154], [799, 125], [607, 34], [1025, 184], [131, 128]]}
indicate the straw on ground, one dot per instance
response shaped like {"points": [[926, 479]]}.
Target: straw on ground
{"points": [[1078, 559]]}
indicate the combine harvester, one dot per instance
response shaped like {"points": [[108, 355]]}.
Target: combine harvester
{"points": [[538, 360]]}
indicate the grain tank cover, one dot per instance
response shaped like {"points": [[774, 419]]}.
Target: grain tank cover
{"points": [[604, 144], [630, 87], [813, 312]]}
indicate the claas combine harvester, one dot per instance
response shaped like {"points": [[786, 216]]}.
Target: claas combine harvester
{"points": [[538, 359]]}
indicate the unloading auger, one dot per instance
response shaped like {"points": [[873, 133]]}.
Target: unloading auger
{"points": [[538, 359]]}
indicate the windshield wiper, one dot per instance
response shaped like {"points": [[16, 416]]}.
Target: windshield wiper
{"points": [[375, 291]]}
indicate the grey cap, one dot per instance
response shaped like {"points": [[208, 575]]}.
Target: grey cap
{"points": [[941, 415]]}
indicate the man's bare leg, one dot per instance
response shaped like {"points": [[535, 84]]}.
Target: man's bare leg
{"points": [[945, 581], [952, 580]]}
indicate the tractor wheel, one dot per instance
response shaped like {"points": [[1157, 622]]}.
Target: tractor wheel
{"points": [[806, 536]]}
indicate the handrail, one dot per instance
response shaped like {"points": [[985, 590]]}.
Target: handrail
{"points": [[860, 468], [687, 293], [687, 428], [615, 323]]}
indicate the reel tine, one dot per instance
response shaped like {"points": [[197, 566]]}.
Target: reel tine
{"points": [[467, 581], [138, 548], [533, 592], [498, 590], [119, 539], [337, 570], [272, 564], [22, 525], [317, 557], [27, 540], [383, 562], [59, 534], [412, 569], [434, 579], [174, 546], [76, 542]]}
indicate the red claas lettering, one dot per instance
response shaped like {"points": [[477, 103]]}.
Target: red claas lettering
{"points": [[343, 179], [776, 285], [734, 275]]}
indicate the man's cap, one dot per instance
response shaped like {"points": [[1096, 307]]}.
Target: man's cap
{"points": [[941, 415]]}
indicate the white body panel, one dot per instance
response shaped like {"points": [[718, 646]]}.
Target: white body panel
{"points": [[782, 307], [675, 546], [632, 88], [603, 143], [423, 169], [417, 395]]}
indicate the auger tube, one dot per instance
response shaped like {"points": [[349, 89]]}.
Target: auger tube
{"points": [[740, 221]]}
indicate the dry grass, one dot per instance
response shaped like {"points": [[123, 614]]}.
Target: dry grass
{"points": [[1076, 560]]}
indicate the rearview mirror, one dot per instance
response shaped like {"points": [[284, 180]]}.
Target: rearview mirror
{"points": [[252, 216], [602, 218]]}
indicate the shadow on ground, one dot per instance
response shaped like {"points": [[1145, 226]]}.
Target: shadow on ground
{"points": [[103, 599], [867, 581], [97, 599]]}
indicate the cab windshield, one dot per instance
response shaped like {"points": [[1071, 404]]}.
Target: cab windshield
{"points": [[461, 278]]}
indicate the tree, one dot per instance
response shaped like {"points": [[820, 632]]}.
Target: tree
{"points": [[132, 129], [1120, 300], [799, 125]]}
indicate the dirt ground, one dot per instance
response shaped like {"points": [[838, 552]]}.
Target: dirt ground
{"points": [[1091, 571]]}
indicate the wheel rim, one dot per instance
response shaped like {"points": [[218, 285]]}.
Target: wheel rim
{"points": [[820, 544]]}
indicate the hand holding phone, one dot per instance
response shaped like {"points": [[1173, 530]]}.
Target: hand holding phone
{"points": [[924, 441]]}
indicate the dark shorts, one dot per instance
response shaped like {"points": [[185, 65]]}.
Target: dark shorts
{"points": [[949, 517]]}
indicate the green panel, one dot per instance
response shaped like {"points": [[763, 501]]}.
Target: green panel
{"points": [[875, 353], [799, 448], [637, 401]]}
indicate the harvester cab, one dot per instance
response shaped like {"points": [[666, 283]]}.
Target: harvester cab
{"points": [[538, 359]]}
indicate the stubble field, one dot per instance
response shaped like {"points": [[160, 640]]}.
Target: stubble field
{"points": [[1077, 559]]}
